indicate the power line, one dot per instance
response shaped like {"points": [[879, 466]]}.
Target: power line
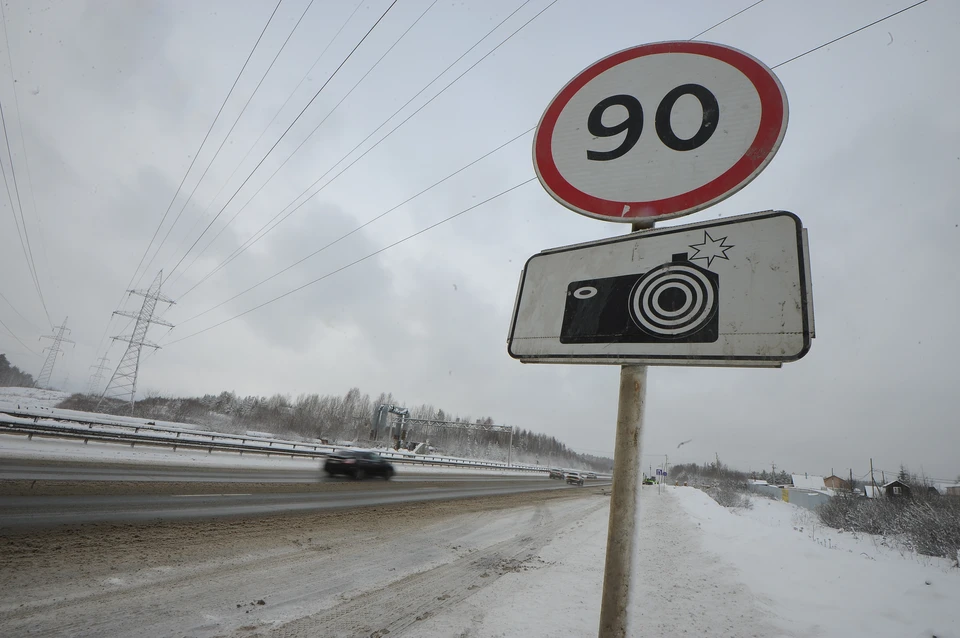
{"points": [[364, 225], [13, 334], [255, 168], [726, 20], [190, 167], [205, 137], [226, 137], [307, 138], [23, 141], [386, 212], [361, 259], [26, 235], [255, 238], [267, 128], [845, 35], [10, 303]]}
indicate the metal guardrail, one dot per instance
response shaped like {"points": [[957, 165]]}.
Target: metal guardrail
{"points": [[148, 433]]}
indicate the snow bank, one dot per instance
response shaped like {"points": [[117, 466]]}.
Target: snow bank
{"points": [[824, 582]]}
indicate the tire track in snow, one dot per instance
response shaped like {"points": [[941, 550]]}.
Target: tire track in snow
{"points": [[399, 606]]}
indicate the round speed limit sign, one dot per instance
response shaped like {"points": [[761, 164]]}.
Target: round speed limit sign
{"points": [[659, 131]]}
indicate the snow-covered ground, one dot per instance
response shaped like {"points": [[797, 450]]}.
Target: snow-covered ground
{"points": [[710, 571], [483, 571], [31, 397]]}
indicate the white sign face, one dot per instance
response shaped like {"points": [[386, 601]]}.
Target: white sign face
{"points": [[732, 292], [659, 131]]}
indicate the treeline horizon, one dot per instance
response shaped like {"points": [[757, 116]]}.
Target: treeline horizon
{"points": [[349, 418]]}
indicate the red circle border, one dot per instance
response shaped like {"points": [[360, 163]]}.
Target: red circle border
{"points": [[773, 121]]}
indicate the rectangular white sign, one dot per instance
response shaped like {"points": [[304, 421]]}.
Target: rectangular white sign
{"points": [[730, 292]]}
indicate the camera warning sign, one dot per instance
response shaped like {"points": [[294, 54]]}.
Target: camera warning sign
{"points": [[731, 292]]}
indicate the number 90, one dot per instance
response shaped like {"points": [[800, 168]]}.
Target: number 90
{"points": [[633, 125]]}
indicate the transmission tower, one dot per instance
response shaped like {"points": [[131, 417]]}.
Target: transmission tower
{"points": [[123, 383], [53, 351], [93, 386]]}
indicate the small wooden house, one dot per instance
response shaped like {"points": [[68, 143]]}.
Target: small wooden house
{"points": [[896, 489]]}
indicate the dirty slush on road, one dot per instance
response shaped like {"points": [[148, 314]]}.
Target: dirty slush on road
{"points": [[347, 572]]}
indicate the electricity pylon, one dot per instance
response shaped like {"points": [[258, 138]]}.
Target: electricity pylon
{"points": [[43, 381], [123, 383], [93, 386]]}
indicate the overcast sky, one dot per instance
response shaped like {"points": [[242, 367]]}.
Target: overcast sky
{"points": [[105, 104]]}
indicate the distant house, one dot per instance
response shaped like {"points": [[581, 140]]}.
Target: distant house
{"points": [[896, 489], [835, 482], [952, 490], [808, 482]]}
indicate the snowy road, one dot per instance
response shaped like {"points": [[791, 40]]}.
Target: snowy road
{"points": [[330, 574], [524, 565], [43, 511], [42, 470]]}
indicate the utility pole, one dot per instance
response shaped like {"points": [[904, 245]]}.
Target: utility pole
{"points": [[93, 386], [123, 383], [53, 351], [873, 480]]}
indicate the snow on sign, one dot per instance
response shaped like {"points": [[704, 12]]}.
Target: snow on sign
{"points": [[730, 292], [659, 131]]}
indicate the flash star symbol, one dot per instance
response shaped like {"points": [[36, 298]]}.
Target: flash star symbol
{"points": [[711, 248]]}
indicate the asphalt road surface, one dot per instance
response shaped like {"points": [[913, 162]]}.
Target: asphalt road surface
{"points": [[369, 571], [39, 494], [65, 471]]}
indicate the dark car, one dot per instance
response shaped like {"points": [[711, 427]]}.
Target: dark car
{"points": [[556, 473], [358, 464]]}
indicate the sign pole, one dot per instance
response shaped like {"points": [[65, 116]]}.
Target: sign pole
{"points": [[608, 302], [624, 498]]}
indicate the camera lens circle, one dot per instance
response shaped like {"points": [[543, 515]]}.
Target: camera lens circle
{"points": [[673, 300]]}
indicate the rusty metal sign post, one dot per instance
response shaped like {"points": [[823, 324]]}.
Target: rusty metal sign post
{"points": [[651, 133]]}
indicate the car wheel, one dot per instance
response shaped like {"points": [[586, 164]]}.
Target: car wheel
{"points": [[329, 474], [388, 475]]}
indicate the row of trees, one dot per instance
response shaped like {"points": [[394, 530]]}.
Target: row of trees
{"points": [[12, 377], [349, 417]]}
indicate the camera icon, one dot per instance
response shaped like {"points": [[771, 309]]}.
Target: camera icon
{"points": [[675, 302]]}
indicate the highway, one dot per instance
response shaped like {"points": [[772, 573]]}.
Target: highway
{"points": [[44, 494], [72, 471]]}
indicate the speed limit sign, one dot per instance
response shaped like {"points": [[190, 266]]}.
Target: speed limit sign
{"points": [[660, 131]]}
